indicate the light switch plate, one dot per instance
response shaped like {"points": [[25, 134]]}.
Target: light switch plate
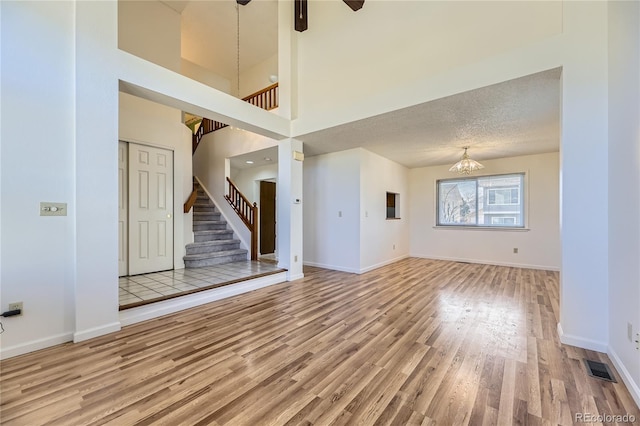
{"points": [[53, 209]]}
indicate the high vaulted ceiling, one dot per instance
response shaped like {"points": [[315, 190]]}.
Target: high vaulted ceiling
{"points": [[517, 117], [210, 30]]}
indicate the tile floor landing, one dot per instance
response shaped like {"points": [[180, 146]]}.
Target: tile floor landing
{"points": [[142, 289]]}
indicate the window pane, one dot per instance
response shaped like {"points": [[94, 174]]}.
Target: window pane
{"points": [[457, 205], [483, 201]]}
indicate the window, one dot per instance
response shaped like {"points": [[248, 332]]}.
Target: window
{"points": [[487, 201]]}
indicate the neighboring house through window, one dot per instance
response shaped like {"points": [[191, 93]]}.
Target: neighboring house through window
{"points": [[491, 201]]}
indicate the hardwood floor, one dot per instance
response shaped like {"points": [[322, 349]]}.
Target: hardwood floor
{"points": [[416, 342]]}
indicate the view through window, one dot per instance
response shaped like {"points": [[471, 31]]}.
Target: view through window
{"points": [[494, 201]]}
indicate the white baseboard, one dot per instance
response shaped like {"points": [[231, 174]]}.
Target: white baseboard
{"points": [[81, 336], [381, 264], [488, 262], [294, 277], [634, 388], [581, 342], [332, 267], [155, 310], [35, 345]]}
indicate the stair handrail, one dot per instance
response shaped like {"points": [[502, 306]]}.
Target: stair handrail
{"points": [[266, 98], [247, 212], [191, 200]]}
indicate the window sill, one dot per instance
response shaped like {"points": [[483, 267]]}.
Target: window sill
{"points": [[481, 228], [394, 218]]}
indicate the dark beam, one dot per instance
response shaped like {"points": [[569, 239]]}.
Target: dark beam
{"points": [[354, 4], [300, 15]]}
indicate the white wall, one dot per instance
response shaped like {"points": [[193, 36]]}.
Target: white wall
{"points": [[204, 76], [387, 63], [624, 188], [331, 210], [382, 241], [150, 30], [38, 253], [211, 166], [539, 247], [584, 301], [149, 123], [248, 180], [257, 77]]}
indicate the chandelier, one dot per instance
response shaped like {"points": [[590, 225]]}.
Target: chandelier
{"points": [[466, 165]]}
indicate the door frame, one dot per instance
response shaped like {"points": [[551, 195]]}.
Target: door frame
{"points": [[174, 208]]}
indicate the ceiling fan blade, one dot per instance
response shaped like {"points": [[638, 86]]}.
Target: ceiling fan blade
{"points": [[300, 12], [243, 2], [354, 4]]}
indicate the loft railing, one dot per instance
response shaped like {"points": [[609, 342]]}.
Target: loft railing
{"points": [[266, 98], [248, 214]]}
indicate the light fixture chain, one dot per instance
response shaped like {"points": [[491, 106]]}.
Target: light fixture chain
{"points": [[238, 44]]}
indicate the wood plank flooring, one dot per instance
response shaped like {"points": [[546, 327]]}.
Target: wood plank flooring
{"points": [[416, 342]]}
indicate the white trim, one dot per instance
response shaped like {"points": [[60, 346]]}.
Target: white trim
{"points": [[581, 342], [332, 267], [356, 271], [35, 345], [81, 336], [481, 228], [165, 307], [229, 222], [294, 277], [632, 386], [488, 262], [381, 264]]}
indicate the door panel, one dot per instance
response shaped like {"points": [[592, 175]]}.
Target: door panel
{"points": [[123, 203], [267, 217], [151, 209]]}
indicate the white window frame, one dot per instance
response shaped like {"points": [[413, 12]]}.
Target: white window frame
{"points": [[523, 197], [502, 217], [511, 188]]}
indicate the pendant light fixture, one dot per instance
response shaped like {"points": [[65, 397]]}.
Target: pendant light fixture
{"points": [[466, 165]]}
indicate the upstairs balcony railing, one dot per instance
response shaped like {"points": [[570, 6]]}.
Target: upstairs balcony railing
{"points": [[266, 98]]}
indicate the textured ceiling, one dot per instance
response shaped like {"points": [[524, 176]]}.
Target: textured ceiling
{"points": [[516, 117], [209, 33]]}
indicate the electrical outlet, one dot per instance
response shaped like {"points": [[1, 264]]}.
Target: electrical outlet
{"points": [[638, 341], [515, 250], [394, 246], [16, 305], [629, 331]]}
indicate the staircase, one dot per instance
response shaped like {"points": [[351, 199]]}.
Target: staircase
{"points": [[214, 243]]}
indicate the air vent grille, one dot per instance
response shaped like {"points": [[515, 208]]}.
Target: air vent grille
{"points": [[599, 370]]}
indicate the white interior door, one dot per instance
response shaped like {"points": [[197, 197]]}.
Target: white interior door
{"points": [[150, 209], [123, 214]]}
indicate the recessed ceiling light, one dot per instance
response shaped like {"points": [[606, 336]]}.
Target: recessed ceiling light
{"points": [[267, 159], [249, 162]]}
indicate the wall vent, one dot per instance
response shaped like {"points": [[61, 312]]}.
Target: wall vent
{"points": [[599, 370]]}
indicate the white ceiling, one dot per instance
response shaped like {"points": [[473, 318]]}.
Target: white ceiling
{"points": [[264, 157], [509, 119], [209, 33], [516, 117]]}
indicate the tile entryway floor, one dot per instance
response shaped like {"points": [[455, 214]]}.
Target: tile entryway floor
{"points": [[147, 288]]}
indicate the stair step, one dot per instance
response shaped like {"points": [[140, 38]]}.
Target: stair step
{"points": [[220, 234], [199, 216], [212, 246], [209, 225], [210, 209], [217, 258]]}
